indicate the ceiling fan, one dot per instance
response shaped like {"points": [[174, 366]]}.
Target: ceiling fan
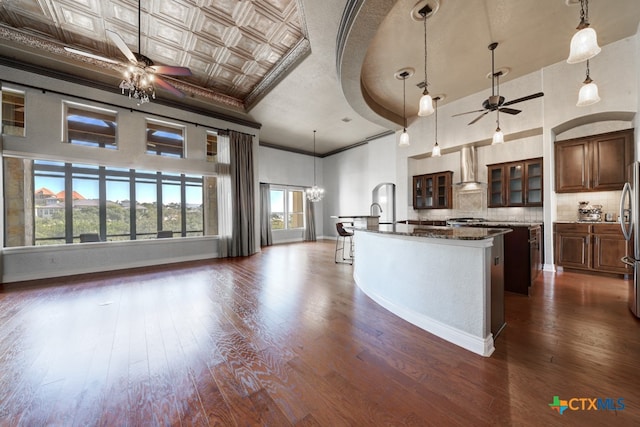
{"points": [[140, 73], [495, 101]]}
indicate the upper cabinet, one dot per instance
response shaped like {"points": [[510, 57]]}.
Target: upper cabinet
{"points": [[593, 163], [515, 183], [432, 191]]}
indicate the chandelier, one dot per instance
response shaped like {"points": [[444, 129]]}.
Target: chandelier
{"points": [[315, 193], [137, 82]]}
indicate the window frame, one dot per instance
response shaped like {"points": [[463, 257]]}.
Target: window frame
{"points": [[102, 174], [4, 106], [288, 209], [158, 145], [93, 113], [210, 154]]}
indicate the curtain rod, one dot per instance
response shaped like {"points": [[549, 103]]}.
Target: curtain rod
{"points": [[285, 185], [131, 109]]}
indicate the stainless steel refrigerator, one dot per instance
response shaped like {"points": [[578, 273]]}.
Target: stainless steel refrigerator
{"points": [[630, 222]]}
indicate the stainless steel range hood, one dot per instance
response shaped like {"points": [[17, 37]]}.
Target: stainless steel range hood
{"points": [[468, 166]]}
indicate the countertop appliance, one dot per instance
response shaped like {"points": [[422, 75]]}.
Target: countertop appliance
{"points": [[589, 213], [629, 220]]}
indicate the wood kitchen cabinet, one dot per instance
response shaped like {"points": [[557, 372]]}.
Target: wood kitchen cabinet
{"points": [[591, 247], [523, 248], [432, 191], [593, 163], [572, 248], [515, 183]]}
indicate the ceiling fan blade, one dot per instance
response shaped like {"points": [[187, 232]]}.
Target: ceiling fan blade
{"points": [[468, 112], [168, 87], [510, 111], [89, 55], [478, 118], [117, 40], [524, 98], [171, 71]]}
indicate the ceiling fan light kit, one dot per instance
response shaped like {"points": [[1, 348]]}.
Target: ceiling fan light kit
{"points": [[497, 103], [141, 76]]}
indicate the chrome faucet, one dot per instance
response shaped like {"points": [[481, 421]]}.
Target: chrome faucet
{"points": [[371, 208]]}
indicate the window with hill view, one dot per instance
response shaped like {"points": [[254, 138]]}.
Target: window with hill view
{"points": [[287, 203], [117, 204]]}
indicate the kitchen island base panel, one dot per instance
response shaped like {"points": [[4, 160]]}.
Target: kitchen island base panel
{"points": [[481, 346], [440, 285]]}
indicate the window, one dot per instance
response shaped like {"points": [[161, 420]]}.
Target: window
{"points": [[287, 204], [90, 127], [118, 204], [165, 139], [212, 147], [12, 112]]}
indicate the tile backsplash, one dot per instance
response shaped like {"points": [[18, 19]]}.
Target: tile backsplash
{"points": [[567, 207]]}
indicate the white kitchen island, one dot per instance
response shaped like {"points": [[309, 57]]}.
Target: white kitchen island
{"points": [[445, 280]]}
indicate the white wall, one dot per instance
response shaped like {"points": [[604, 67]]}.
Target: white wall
{"points": [[291, 169], [351, 176]]}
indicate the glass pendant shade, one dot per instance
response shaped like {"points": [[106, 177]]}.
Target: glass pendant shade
{"points": [[435, 152], [588, 94], [426, 105], [584, 45], [498, 137], [404, 139]]}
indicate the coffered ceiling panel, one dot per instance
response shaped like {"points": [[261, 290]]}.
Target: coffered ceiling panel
{"points": [[235, 49]]}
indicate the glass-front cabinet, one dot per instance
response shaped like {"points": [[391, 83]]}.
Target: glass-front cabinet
{"points": [[432, 191], [515, 183]]}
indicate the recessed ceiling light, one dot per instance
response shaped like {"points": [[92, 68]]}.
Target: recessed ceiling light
{"points": [[346, 119]]}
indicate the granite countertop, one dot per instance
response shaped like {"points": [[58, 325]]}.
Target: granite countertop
{"points": [[355, 216], [585, 222], [434, 231], [500, 223]]}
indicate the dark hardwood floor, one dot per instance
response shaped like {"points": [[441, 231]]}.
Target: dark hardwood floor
{"points": [[286, 338]]}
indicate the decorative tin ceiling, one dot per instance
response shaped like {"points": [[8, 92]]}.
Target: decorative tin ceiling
{"points": [[236, 50]]}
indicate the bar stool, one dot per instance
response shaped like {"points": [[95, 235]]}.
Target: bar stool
{"points": [[341, 243]]}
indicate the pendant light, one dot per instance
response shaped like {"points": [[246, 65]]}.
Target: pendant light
{"points": [[404, 137], [315, 193], [426, 102], [584, 43], [435, 151], [498, 136], [588, 94]]}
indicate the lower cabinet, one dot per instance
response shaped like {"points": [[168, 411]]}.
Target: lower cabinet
{"points": [[591, 247], [522, 256]]}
